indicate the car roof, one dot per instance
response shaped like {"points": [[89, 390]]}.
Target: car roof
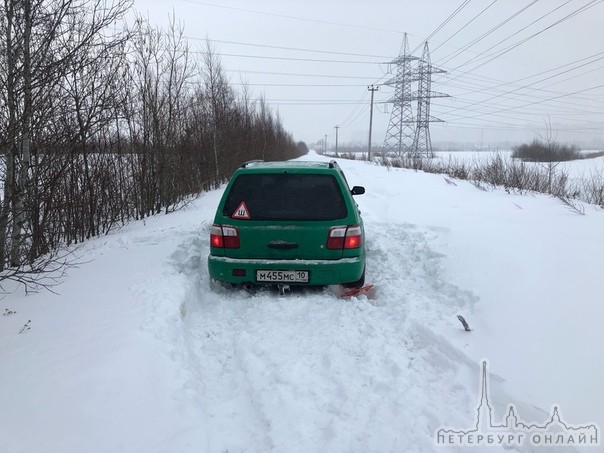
{"points": [[255, 166]]}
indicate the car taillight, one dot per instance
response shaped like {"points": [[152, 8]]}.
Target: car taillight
{"points": [[345, 238], [224, 237], [354, 237]]}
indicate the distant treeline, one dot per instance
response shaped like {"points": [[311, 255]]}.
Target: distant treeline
{"points": [[101, 124], [546, 151], [551, 151]]}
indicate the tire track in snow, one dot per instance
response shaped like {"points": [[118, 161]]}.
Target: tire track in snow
{"points": [[311, 372]]}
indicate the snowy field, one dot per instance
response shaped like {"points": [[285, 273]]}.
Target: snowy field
{"points": [[140, 352], [576, 169]]}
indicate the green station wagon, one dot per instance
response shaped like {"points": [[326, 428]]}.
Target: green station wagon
{"points": [[288, 223]]}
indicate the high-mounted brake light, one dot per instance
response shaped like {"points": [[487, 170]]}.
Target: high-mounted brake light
{"points": [[222, 236], [345, 238]]}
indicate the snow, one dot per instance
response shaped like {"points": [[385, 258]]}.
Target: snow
{"points": [[140, 352], [576, 169]]}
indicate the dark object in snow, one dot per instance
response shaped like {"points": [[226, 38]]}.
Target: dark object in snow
{"points": [[26, 327], [450, 182], [464, 323], [8, 312]]}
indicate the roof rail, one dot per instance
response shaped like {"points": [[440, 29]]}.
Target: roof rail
{"points": [[245, 164]]}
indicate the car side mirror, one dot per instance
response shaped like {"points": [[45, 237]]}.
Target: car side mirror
{"points": [[358, 190]]}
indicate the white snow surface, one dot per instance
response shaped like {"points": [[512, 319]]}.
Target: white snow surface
{"points": [[140, 352]]}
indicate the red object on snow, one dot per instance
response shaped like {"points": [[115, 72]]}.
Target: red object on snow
{"points": [[356, 291]]}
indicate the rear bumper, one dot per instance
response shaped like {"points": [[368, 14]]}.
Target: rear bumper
{"points": [[321, 272]]}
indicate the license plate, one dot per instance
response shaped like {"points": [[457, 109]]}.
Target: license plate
{"points": [[282, 276]]}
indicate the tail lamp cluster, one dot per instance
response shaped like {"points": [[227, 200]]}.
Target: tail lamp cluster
{"points": [[224, 237], [339, 238], [345, 237]]}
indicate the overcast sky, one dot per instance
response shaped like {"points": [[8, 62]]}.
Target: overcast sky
{"points": [[314, 61]]}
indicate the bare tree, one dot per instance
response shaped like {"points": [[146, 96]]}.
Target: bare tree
{"points": [[42, 38], [220, 97], [100, 125]]}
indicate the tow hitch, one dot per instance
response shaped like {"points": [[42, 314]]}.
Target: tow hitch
{"points": [[282, 289]]}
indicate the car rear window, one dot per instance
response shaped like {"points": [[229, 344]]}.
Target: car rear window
{"points": [[283, 196]]}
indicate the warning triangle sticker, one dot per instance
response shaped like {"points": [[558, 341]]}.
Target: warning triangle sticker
{"points": [[241, 212]]}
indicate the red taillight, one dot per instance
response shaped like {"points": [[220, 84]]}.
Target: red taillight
{"points": [[345, 238], [216, 239], [224, 237], [354, 237]]}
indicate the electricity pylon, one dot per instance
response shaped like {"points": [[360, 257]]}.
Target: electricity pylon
{"points": [[406, 135], [401, 129], [422, 143]]}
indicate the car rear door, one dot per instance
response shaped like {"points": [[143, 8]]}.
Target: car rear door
{"points": [[285, 215]]}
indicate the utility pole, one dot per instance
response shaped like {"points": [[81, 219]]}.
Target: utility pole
{"points": [[336, 128], [325, 144], [373, 90]]}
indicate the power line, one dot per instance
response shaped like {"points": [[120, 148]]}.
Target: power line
{"points": [[351, 116], [361, 115], [473, 83], [541, 100], [545, 100], [566, 105], [314, 85], [501, 83], [466, 25], [516, 32], [572, 14], [298, 18], [302, 102], [487, 33], [520, 115], [445, 22], [312, 100], [313, 60], [296, 49], [531, 84], [507, 20], [293, 74], [508, 49], [548, 106]]}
